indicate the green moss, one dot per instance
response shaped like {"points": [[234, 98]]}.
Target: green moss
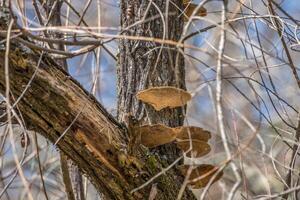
{"points": [[118, 192], [152, 164], [19, 59], [122, 159]]}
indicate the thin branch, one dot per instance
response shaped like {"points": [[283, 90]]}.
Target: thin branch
{"points": [[66, 176], [9, 117], [220, 103], [39, 165]]}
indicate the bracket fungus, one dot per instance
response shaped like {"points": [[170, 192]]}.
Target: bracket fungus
{"points": [[156, 135], [163, 97], [201, 175], [185, 137], [198, 148], [192, 132], [189, 9], [193, 137]]}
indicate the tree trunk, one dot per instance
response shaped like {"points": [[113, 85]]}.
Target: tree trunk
{"points": [[95, 141], [148, 64]]}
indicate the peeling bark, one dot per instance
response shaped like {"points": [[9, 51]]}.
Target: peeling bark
{"points": [[50, 105], [54, 100]]}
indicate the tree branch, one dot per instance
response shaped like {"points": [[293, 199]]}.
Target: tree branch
{"points": [[95, 141]]}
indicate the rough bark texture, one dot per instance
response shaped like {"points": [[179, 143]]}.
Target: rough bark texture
{"points": [[51, 104], [66, 177], [148, 64], [96, 142], [75, 185]]}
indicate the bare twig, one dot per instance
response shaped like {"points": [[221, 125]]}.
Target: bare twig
{"points": [[219, 103], [10, 129]]}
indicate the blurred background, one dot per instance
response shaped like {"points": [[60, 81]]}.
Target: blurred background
{"points": [[261, 98]]}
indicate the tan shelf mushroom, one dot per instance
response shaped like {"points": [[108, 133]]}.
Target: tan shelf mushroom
{"points": [[189, 9], [159, 134], [198, 137], [196, 133], [163, 97], [201, 175], [156, 135], [199, 148]]}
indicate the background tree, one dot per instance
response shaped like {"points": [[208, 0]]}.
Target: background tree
{"points": [[59, 60]]}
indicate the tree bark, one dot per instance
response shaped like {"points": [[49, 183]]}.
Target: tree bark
{"points": [[56, 104], [149, 64], [71, 175]]}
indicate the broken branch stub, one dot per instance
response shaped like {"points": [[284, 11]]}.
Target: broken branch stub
{"points": [[163, 97], [201, 175], [199, 148], [156, 135]]}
